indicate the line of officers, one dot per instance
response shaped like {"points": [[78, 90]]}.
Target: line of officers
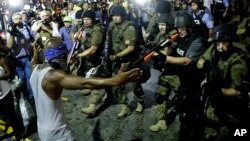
{"points": [[185, 63]]}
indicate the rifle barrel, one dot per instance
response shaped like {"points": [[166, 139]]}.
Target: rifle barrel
{"points": [[159, 46]]}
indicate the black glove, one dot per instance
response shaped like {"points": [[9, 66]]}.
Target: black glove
{"points": [[160, 57], [159, 61]]}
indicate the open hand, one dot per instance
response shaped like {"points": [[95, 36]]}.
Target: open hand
{"points": [[128, 76]]}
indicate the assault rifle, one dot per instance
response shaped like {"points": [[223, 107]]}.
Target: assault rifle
{"points": [[147, 56], [73, 53], [104, 69]]}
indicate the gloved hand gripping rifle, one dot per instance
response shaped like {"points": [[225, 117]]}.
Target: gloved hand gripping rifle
{"points": [[104, 69], [147, 56], [73, 53]]}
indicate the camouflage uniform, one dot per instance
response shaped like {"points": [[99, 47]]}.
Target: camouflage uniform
{"points": [[121, 37], [168, 81], [244, 32], [93, 36], [229, 111]]}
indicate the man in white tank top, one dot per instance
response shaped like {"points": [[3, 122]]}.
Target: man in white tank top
{"points": [[49, 79]]}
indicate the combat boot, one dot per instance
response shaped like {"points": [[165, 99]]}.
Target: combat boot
{"points": [[86, 92], [125, 111], [89, 110], [140, 107], [160, 125]]}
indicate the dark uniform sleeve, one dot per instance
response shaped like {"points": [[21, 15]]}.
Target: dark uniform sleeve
{"points": [[238, 71], [196, 49], [129, 36], [96, 37]]}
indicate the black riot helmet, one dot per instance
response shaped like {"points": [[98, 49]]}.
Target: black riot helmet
{"points": [[163, 7], [166, 18], [119, 10], [223, 32], [79, 14], [183, 18]]}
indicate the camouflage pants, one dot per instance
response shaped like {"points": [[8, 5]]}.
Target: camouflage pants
{"points": [[216, 119], [96, 96], [121, 93], [212, 123], [165, 85]]}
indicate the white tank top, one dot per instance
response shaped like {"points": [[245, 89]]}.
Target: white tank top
{"points": [[51, 121]]}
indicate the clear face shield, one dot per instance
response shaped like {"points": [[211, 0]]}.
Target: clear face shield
{"points": [[220, 36]]}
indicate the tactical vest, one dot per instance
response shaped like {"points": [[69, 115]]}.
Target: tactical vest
{"points": [[231, 104], [237, 55], [219, 6], [96, 58], [117, 41], [225, 66], [199, 26], [189, 75]]}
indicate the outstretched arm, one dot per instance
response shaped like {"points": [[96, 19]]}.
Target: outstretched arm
{"points": [[68, 81]]}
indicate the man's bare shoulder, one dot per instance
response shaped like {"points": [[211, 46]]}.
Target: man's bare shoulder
{"points": [[56, 75]]}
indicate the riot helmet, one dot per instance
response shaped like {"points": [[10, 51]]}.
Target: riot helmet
{"points": [[163, 7], [183, 18], [79, 14], [166, 18], [223, 32], [89, 14], [119, 10]]}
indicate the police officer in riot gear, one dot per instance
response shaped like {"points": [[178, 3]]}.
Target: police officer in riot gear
{"points": [[229, 67], [189, 48]]}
